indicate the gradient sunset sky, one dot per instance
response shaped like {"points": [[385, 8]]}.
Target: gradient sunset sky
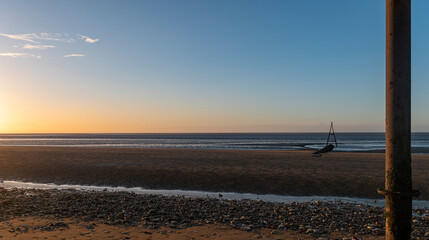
{"points": [[201, 66]]}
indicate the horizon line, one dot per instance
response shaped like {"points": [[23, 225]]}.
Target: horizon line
{"points": [[113, 133]]}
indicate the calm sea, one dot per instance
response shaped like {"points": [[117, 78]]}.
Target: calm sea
{"points": [[243, 141]]}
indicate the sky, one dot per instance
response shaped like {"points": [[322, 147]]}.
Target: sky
{"points": [[159, 66]]}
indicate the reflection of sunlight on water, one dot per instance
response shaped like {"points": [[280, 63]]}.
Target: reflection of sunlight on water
{"points": [[217, 195]]}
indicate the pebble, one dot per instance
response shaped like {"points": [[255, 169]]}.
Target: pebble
{"points": [[176, 212]]}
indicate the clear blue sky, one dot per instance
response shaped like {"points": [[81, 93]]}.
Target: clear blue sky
{"points": [[201, 66]]}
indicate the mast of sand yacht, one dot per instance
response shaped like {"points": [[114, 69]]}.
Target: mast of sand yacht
{"points": [[331, 133]]}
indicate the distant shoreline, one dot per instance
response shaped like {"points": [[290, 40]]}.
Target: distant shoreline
{"points": [[347, 142], [414, 151], [190, 133]]}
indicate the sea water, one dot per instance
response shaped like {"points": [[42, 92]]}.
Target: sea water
{"points": [[354, 142]]}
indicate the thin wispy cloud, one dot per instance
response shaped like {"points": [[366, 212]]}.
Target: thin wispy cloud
{"points": [[88, 39], [74, 55], [36, 38], [29, 37], [19, 55], [55, 37], [38, 47], [43, 41]]}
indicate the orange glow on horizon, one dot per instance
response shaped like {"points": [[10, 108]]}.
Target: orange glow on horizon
{"points": [[32, 107]]}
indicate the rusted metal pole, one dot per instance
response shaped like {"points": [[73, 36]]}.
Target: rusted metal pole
{"points": [[398, 183]]}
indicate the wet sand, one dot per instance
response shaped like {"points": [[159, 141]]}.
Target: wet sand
{"points": [[274, 172]]}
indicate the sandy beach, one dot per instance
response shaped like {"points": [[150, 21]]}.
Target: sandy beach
{"points": [[29, 214], [72, 229], [273, 172]]}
